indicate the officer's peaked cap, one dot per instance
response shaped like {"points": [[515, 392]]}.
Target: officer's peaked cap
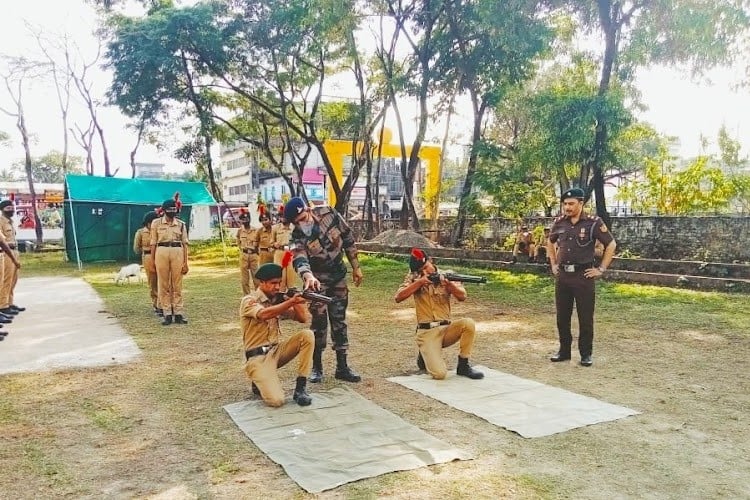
{"points": [[293, 208], [268, 271], [577, 193]]}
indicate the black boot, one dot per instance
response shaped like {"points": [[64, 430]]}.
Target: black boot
{"points": [[19, 309], [300, 394], [465, 370], [420, 362], [317, 370], [5, 319], [179, 319], [167, 320], [343, 372], [8, 311], [255, 389]]}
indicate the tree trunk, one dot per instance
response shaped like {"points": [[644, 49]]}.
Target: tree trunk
{"points": [[29, 175]]}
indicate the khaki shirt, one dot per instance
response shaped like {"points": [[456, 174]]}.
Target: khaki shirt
{"points": [[576, 242], [264, 239], [247, 238], [162, 231], [142, 240], [8, 231], [432, 302], [281, 235], [257, 332]]}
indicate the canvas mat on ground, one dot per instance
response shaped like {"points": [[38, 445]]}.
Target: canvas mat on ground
{"points": [[340, 438], [529, 408], [64, 326]]}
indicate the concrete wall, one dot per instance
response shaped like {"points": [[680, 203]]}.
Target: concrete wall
{"points": [[714, 239]]}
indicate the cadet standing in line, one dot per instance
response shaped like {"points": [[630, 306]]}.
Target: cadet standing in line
{"points": [[320, 239], [263, 238], [11, 264], [142, 246], [570, 250], [264, 351], [169, 246], [281, 237], [435, 329], [248, 246]]}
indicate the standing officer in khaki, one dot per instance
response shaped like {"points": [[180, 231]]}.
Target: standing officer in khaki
{"points": [[263, 240], [570, 250], [435, 329], [281, 235], [10, 265], [264, 351], [248, 246], [169, 246], [142, 246]]}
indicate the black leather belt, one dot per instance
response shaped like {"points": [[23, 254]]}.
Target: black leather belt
{"points": [[170, 244], [572, 268], [146, 252], [259, 351], [249, 250], [427, 326], [264, 249], [12, 246]]}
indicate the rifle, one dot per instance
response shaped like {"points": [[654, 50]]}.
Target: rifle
{"points": [[307, 294], [463, 278]]}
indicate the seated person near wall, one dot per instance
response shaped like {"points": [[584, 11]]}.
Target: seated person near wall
{"points": [[540, 251], [524, 244]]}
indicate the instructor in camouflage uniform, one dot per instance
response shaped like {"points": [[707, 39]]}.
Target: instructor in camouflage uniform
{"points": [[319, 240]]}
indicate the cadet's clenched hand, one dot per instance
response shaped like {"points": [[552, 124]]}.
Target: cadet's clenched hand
{"points": [[357, 276]]}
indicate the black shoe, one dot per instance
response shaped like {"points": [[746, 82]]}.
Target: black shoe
{"points": [[19, 309], [159, 312], [343, 372], [8, 311], [167, 320], [255, 389], [178, 319], [316, 376], [587, 361], [420, 362], [300, 394], [465, 370], [560, 356], [3, 335], [5, 319]]}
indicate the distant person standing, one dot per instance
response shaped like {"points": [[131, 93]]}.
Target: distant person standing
{"points": [[169, 246], [11, 264], [142, 246], [281, 237], [247, 243], [320, 240], [264, 238], [524, 244], [570, 250]]}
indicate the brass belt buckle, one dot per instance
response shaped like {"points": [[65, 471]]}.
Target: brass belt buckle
{"points": [[569, 268]]}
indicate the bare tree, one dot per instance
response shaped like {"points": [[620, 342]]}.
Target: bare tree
{"points": [[85, 139], [19, 70], [81, 80]]}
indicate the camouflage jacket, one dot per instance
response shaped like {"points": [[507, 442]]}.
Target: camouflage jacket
{"points": [[322, 253]]}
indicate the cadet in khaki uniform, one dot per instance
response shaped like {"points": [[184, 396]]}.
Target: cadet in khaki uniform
{"points": [[10, 264], [169, 246], [263, 240], [570, 250], [281, 236], [248, 246], [435, 329], [264, 351], [142, 246]]}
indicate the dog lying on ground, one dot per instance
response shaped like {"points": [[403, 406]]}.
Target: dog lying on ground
{"points": [[127, 272]]}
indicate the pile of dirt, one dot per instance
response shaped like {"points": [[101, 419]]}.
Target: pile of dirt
{"points": [[403, 238]]}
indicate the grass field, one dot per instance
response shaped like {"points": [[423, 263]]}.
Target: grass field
{"points": [[156, 428]]}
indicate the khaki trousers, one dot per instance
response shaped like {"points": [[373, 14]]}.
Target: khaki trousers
{"points": [[432, 341], [169, 262], [153, 281], [9, 280], [248, 266], [288, 276], [266, 256], [262, 370]]}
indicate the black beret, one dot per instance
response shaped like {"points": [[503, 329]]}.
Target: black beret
{"points": [[268, 271], [577, 193], [170, 203], [293, 208], [417, 259], [6, 203], [149, 217]]}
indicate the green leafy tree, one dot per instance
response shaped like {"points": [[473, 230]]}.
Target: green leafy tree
{"points": [[50, 168]]}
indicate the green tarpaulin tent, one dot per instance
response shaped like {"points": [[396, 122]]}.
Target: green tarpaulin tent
{"points": [[102, 214]]}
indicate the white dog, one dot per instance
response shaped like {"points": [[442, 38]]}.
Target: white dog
{"points": [[127, 272]]}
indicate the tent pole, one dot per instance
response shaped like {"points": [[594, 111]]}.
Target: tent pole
{"points": [[75, 236]]}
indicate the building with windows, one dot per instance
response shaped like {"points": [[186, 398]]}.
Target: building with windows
{"points": [[149, 170]]}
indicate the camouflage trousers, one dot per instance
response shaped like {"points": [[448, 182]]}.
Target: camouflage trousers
{"points": [[335, 313]]}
